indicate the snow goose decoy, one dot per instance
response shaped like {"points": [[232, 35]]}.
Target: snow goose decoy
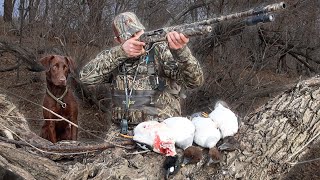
{"points": [[155, 135], [184, 131], [228, 124], [207, 135]]}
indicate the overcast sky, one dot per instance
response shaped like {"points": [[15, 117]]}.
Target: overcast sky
{"points": [[1, 8]]}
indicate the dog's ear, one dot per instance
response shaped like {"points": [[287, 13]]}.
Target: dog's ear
{"points": [[71, 64], [45, 62]]}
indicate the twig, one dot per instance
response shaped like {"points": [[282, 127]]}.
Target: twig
{"points": [[138, 152], [303, 162], [294, 154], [10, 68], [18, 117]]}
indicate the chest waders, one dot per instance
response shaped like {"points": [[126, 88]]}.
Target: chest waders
{"points": [[135, 92]]}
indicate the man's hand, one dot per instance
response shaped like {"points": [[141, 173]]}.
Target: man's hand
{"points": [[133, 47], [177, 40]]}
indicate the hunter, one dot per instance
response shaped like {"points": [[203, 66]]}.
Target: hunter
{"points": [[147, 79]]}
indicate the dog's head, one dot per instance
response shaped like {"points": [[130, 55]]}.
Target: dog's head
{"points": [[58, 68]]}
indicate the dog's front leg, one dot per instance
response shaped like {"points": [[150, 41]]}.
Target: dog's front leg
{"points": [[74, 129], [52, 132]]}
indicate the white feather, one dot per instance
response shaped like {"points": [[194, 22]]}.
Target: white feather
{"points": [[207, 133], [156, 135], [183, 130], [225, 119], [144, 132]]}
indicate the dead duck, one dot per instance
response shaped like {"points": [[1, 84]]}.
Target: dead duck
{"points": [[191, 155], [207, 135], [228, 124], [215, 155], [184, 131]]}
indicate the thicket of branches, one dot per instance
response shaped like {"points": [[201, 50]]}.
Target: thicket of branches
{"points": [[233, 57]]}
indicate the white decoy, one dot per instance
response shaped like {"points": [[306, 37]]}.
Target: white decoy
{"points": [[156, 135], [207, 135], [184, 131], [227, 122]]}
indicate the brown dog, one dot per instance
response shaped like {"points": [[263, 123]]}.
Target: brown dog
{"points": [[60, 99]]}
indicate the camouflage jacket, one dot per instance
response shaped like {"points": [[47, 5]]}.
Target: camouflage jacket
{"points": [[153, 88]]}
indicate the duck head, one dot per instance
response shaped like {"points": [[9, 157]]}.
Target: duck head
{"points": [[191, 155], [230, 143], [199, 114], [171, 165], [215, 156]]}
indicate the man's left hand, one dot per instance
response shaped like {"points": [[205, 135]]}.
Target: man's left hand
{"points": [[177, 40]]}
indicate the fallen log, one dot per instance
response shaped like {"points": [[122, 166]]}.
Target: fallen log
{"points": [[28, 165], [69, 148]]}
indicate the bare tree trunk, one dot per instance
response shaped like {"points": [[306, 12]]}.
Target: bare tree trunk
{"points": [[8, 9], [33, 7], [46, 11], [95, 15], [276, 134], [29, 166], [53, 8]]}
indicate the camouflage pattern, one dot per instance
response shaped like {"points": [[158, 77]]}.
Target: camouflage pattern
{"points": [[160, 34], [204, 27], [176, 68], [126, 24], [238, 15]]}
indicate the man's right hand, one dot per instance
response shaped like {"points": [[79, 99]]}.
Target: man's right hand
{"points": [[133, 47]]}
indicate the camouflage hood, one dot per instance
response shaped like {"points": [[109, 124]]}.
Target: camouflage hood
{"points": [[126, 24]]}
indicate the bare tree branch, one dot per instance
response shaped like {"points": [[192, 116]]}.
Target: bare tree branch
{"points": [[26, 55]]}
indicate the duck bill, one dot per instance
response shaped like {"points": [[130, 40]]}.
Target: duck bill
{"points": [[185, 161], [167, 174], [211, 161], [225, 147]]}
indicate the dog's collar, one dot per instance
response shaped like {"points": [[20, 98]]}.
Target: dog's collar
{"points": [[59, 99]]}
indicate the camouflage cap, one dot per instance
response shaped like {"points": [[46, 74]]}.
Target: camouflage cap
{"points": [[125, 25]]}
